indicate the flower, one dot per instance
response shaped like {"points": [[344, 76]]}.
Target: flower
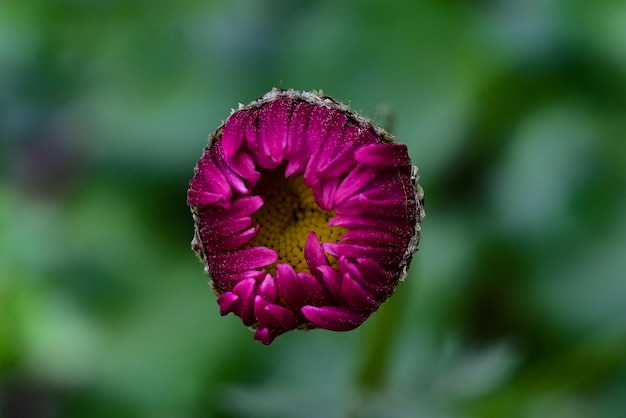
{"points": [[306, 214]]}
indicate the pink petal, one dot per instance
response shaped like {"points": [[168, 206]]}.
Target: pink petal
{"points": [[385, 155], [273, 129], [324, 193], [267, 289], [315, 290], [386, 255], [385, 194], [254, 140], [332, 281], [283, 316], [227, 302], [334, 318], [342, 159], [314, 253], [240, 164], [246, 259], [251, 130], [328, 133], [230, 151], [337, 167], [373, 237], [202, 198], [370, 276], [240, 207], [394, 225], [264, 319], [394, 206], [297, 128], [217, 156], [210, 230], [314, 136], [228, 281], [233, 133], [375, 274], [217, 223], [274, 317], [231, 242], [209, 178], [298, 289], [356, 296], [355, 181], [244, 307], [291, 291], [263, 335]]}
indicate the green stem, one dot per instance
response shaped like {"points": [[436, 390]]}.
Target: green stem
{"points": [[376, 361], [373, 369]]}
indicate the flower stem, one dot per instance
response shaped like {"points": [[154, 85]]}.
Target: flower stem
{"points": [[373, 370], [376, 361]]}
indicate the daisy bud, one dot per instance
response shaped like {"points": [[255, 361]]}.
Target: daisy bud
{"points": [[306, 214]]}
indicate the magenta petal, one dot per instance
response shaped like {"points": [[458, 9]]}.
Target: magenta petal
{"points": [[241, 207], [263, 317], [388, 255], [228, 281], [334, 318], [201, 198], [314, 289], [324, 193], [257, 147], [332, 281], [298, 289], [384, 195], [375, 274], [263, 335], [373, 237], [227, 302], [274, 317], [241, 164], [297, 129], [356, 296], [246, 205], [283, 316], [393, 225], [329, 133], [230, 156], [385, 155], [287, 281], [218, 223], [380, 283], [313, 253], [246, 259], [267, 289], [210, 231], [233, 133], [244, 308], [273, 129], [314, 137], [231, 242], [341, 159], [252, 132], [238, 167], [394, 206], [358, 178], [336, 168], [209, 178]]}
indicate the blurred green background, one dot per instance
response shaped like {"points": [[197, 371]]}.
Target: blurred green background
{"points": [[515, 112]]}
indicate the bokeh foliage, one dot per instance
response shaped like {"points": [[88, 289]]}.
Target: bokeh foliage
{"points": [[514, 111]]}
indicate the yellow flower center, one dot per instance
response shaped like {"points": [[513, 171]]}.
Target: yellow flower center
{"points": [[288, 214]]}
